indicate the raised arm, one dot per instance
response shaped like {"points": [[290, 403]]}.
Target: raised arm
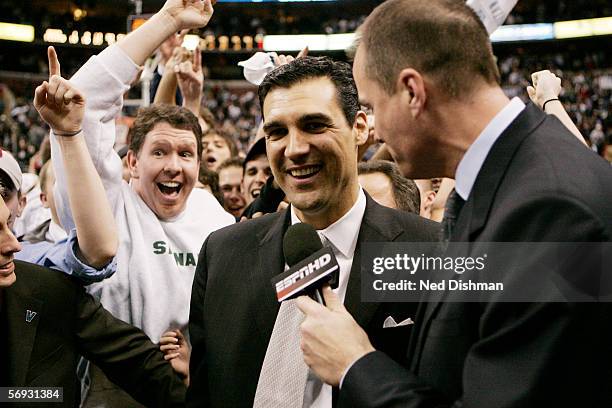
{"points": [[545, 93], [62, 106], [175, 15], [166, 91]]}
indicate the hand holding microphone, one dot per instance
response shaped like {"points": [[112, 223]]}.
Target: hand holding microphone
{"points": [[331, 339]]}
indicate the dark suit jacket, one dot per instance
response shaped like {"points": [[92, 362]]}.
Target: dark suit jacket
{"points": [[68, 322], [537, 184], [234, 307]]}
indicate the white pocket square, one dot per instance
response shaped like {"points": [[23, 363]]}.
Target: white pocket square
{"points": [[390, 322]]}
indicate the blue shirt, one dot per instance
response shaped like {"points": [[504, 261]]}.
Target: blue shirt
{"points": [[61, 256]]}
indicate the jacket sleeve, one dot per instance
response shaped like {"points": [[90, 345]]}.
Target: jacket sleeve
{"points": [[196, 394], [126, 355]]}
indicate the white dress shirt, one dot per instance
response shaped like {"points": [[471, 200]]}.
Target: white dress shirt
{"points": [[342, 237], [474, 157]]}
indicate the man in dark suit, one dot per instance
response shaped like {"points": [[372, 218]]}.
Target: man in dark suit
{"points": [[47, 320], [313, 127], [428, 71]]}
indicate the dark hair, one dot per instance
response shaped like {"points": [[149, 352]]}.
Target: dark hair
{"points": [[234, 161], [176, 116], [405, 191], [208, 117], [231, 144], [305, 68], [211, 179], [444, 39]]}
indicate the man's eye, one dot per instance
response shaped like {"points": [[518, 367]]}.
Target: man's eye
{"points": [[158, 153], [276, 133], [186, 154], [314, 127]]}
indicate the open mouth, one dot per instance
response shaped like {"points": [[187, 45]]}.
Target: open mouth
{"points": [[255, 193], [210, 161], [303, 173], [170, 188]]}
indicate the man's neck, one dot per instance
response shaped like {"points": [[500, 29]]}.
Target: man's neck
{"points": [[461, 122], [324, 217]]}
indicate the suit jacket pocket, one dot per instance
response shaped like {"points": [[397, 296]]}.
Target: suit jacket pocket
{"points": [[393, 341]]}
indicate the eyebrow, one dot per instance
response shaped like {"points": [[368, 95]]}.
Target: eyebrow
{"points": [[311, 117], [314, 117], [179, 144]]}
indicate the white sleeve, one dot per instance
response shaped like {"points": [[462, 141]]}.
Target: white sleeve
{"points": [[103, 80]]}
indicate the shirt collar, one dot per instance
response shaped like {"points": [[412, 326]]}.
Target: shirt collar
{"points": [[474, 157], [343, 233]]}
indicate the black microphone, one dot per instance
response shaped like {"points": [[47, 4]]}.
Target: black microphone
{"points": [[310, 265]]}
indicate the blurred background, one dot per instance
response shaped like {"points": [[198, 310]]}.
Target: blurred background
{"points": [[571, 38]]}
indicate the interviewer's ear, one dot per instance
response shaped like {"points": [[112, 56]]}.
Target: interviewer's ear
{"points": [[360, 128], [411, 85]]}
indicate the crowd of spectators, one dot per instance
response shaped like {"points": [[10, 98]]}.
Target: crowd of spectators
{"points": [[586, 95], [296, 19]]}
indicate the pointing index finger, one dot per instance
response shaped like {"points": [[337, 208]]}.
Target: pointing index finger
{"points": [[54, 65]]}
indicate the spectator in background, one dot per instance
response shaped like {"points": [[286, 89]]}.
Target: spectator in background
{"points": [[256, 171], [10, 186], [230, 183], [209, 181], [216, 148], [383, 181]]}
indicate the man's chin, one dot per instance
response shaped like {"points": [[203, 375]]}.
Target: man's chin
{"points": [[167, 212], [6, 281]]}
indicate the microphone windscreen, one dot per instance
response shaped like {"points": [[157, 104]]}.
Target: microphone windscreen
{"points": [[300, 241]]}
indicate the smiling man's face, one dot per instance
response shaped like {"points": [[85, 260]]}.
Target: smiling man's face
{"points": [[165, 169], [312, 148]]}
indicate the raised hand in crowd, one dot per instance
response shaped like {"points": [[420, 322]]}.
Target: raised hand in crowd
{"points": [[175, 15], [168, 48], [177, 351], [166, 91], [190, 81], [285, 59], [545, 93], [59, 104], [62, 106]]}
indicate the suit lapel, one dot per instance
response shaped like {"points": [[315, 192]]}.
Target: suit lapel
{"points": [[475, 213], [494, 168], [369, 231], [20, 307], [270, 262]]}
